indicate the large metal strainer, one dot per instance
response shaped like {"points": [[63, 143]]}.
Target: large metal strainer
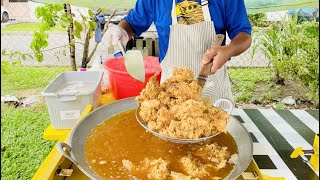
{"points": [[181, 140]]}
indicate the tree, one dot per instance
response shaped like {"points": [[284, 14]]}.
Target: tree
{"points": [[52, 15], [257, 19]]}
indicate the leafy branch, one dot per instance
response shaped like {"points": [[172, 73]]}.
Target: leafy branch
{"points": [[257, 19], [52, 15]]}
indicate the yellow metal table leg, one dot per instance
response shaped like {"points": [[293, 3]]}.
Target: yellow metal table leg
{"points": [[54, 160], [314, 160]]}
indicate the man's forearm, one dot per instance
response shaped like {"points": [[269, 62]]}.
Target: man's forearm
{"points": [[239, 44], [127, 27]]}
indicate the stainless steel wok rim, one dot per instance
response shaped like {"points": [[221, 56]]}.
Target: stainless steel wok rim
{"points": [[246, 165], [78, 124], [92, 112], [91, 176]]}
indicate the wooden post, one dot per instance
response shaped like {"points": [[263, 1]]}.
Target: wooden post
{"points": [[67, 9], [86, 50], [139, 44], [156, 47], [149, 46]]}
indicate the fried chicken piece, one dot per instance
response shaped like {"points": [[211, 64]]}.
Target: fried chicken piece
{"points": [[207, 102], [193, 167], [192, 120], [156, 169], [149, 109], [151, 91], [219, 119], [217, 156], [188, 128], [164, 98], [176, 109], [233, 159], [181, 74], [190, 108], [128, 165], [164, 118], [180, 176], [184, 90]]}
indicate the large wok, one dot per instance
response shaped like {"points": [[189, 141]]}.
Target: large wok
{"points": [[82, 130]]}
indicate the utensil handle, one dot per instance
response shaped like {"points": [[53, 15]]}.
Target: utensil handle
{"points": [[218, 40], [60, 147], [123, 51], [206, 69], [228, 101]]}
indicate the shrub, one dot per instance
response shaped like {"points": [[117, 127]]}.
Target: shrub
{"points": [[293, 50]]}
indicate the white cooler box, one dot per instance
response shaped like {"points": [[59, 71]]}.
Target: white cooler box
{"points": [[69, 93]]}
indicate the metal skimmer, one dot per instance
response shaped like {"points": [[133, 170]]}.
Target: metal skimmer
{"points": [[184, 141]]}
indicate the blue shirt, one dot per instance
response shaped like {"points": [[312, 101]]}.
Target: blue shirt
{"points": [[228, 16]]}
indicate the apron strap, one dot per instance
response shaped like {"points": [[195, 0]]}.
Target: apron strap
{"points": [[205, 11], [174, 13]]}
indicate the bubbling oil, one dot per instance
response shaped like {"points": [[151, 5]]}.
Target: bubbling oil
{"points": [[121, 137]]}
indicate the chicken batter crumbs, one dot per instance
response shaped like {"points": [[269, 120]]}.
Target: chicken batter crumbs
{"points": [[156, 169], [217, 155], [180, 176], [194, 166], [176, 109], [204, 159]]}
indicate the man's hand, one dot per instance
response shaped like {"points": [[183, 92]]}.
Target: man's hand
{"points": [[116, 33], [221, 54]]}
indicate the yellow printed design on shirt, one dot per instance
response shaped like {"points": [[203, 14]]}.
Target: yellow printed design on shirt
{"points": [[189, 12]]}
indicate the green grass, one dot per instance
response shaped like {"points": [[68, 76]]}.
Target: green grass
{"points": [[35, 79], [246, 81], [28, 27], [22, 147]]}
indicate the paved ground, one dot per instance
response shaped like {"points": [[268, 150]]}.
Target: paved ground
{"points": [[20, 41], [6, 23]]}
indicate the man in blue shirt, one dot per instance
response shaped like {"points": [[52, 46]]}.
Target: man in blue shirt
{"points": [[186, 31]]}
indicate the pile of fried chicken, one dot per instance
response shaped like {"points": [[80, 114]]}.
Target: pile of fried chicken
{"points": [[176, 109]]}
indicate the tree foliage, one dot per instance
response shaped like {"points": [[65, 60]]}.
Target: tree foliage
{"points": [[258, 20]]}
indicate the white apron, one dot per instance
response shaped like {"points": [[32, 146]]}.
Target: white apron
{"points": [[187, 45]]}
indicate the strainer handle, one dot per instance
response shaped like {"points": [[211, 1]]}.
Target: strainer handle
{"points": [[228, 101], [60, 146]]}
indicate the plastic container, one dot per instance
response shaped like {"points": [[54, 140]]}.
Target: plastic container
{"points": [[97, 66], [122, 84], [69, 93]]}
